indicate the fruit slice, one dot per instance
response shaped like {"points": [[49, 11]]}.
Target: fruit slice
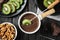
{"points": [[45, 3], [6, 9], [12, 7], [12, 0], [48, 2], [16, 4], [52, 1], [20, 1], [26, 22]]}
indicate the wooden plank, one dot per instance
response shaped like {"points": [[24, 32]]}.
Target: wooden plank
{"points": [[32, 6], [5, 20], [21, 35], [32, 37]]}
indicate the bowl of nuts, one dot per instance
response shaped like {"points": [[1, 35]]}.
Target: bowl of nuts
{"points": [[8, 31]]}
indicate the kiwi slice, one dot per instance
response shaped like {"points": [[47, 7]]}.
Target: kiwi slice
{"points": [[6, 9], [16, 4], [20, 1], [12, 0], [12, 7], [26, 22], [52, 1], [47, 2]]}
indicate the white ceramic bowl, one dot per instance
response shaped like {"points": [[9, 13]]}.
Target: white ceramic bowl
{"points": [[14, 27], [36, 28]]}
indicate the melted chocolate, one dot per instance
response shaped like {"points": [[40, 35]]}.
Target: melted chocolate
{"points": [[31, 27]]}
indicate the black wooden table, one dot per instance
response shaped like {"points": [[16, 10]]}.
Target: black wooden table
{"points": [[30, 6]]}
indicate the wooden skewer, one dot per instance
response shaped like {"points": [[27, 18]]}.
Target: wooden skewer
{"points": [[53, 4]]}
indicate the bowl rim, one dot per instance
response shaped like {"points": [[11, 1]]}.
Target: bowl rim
{"points": [[26, 31], [14, 28]]}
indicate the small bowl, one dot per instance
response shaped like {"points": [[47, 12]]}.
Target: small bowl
{"points": [[35, 29], [14, 28]]}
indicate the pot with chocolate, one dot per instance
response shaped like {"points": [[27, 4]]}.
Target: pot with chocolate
{"points": [[30, 22]]}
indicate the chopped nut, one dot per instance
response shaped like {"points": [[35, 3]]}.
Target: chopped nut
{"points": [[7, 32]]}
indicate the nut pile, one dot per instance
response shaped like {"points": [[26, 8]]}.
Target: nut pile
{"points": [[7, 32]]}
